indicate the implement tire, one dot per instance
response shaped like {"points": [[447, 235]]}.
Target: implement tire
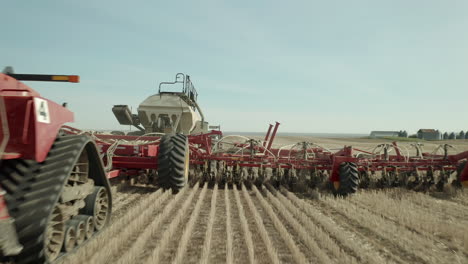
{"points": [[349, 179], [457, 182], [173, 162]]}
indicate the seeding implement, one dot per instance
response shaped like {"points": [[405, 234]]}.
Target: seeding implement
{"points": [[58, 196], [188, 152], [299, 167]]}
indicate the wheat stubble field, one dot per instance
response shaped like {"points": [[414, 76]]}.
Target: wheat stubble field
{"points": [[262, 225]]}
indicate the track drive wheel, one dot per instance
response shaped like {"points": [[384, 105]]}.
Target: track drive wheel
{"points": [[70, 238], [88, 224], [97, 205], [173, 162], [349, 179], [80, 230]]}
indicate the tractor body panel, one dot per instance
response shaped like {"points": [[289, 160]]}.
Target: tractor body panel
{"points": [[29, 123]]}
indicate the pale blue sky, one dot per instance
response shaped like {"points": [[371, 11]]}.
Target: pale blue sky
{"points": [[314, 66]]}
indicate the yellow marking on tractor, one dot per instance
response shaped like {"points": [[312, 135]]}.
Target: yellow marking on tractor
{"points": [[59, 78]]}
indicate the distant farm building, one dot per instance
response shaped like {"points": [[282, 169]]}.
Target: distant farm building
{"points": [[380, 134], [429, 134]]}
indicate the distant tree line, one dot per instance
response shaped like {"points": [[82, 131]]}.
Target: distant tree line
{"points": [[452, 135], [403, 133]]}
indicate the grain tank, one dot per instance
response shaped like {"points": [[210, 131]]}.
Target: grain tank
{"points": [[168, 111]]}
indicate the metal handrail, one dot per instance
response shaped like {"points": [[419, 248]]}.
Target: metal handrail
{"points": [[187, 86]]}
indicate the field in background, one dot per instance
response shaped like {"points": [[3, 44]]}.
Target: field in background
{"points": [[237, 225]]}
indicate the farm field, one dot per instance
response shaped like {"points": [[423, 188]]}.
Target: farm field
{"points": [[216, 225], [231, 224]]}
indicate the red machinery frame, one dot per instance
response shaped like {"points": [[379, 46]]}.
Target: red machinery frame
{"points": [[132, 159]]}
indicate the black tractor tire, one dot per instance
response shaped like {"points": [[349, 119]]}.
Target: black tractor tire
{"points": [[173, 162], [457, 181], [349, 179], [364, 179]]}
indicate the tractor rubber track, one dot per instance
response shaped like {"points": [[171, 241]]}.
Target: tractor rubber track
{"points": [[33, 190]]}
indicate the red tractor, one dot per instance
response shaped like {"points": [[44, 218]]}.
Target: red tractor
{"points": [[54, 191]]}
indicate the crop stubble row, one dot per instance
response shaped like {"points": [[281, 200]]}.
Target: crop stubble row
{"points": [[220, 224]]}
